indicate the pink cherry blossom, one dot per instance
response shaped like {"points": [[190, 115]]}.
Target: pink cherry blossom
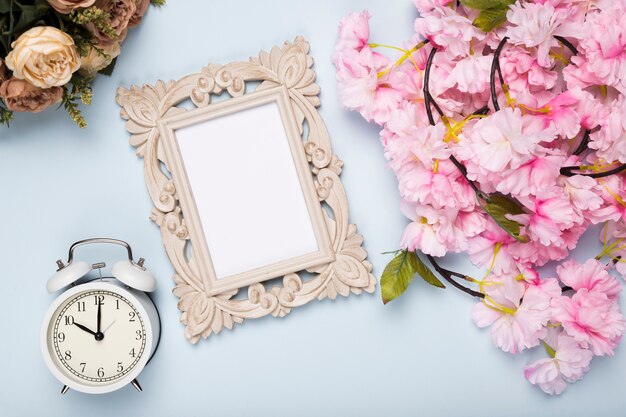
{"points": [[592, 275], [592, 318], [506, 139], [359, 89], [482, 249], [515, 324], [535, 175], [535, 25], [610, 140], [421, 233], [604, 46], [583, 191], [561, 113], [354, 33], [523, 73], [443, 187], [568, 362], [471, 74], [450, 31], [549, 215], [452, 154]]}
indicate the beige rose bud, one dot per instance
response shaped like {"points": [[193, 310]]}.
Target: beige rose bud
{"points": [[121, 11], [66, 6], [94, 61], [19, 95], [44, 56]]}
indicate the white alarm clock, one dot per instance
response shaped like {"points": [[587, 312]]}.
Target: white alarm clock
{"points": [[98, 335]]}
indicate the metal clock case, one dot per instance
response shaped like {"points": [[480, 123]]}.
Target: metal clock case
{"points": [[98, 336]]}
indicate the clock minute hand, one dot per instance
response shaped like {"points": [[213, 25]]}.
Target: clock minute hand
{"points": [[84, 328], [99, 335], [99, 315]]}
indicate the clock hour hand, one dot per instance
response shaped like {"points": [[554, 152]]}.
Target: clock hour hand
{"points": [[84, 328]]}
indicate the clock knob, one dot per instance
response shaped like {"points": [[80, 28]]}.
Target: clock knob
{"points": [[67, 275], [134, 275]]}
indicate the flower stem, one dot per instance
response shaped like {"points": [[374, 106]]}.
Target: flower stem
{"points": [[447, 275], [569, 171], [549, 349], [428, 99], [567, 44], [583, 143], [495, 65]]}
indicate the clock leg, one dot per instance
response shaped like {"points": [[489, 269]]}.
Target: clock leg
{"points": [[136, 384], [65, 389]]}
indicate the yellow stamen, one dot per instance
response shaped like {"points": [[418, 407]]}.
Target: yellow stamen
{"points": [[407, 55], [559, 57], [603, 91], [435, 166], [498, 307], [612, 193], [496, 249], [549, 349], [454, 128], [511, 102]]}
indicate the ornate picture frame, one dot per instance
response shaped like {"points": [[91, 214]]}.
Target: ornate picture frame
{"points": [[283, 76]]}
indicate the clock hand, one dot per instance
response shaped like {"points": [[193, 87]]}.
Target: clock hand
{"points": [[99, 335], [80, 326], [108, 327], [99, 315]]}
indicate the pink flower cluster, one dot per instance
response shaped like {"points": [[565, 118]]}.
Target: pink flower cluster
{"points": [[574, 322], [561, 104]]}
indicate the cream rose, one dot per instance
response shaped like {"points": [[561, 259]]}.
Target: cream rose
{"points": [[66, 6], [44, 56], [94, 61]]}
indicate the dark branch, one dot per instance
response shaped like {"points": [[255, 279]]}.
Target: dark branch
{"points": [[447, 275], [569, 172], [567, 44], [583, 143], [427, 97], [495, 65]]}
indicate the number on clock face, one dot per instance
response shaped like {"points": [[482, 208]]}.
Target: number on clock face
{"points": [[97, 353]]}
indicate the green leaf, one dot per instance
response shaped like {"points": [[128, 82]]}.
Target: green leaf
{"points": [[427, 275], [498, 206], [399, 273], [31, 15], [489, 19], [486, 4], [5, 115], [512, 206], [6, 6]]}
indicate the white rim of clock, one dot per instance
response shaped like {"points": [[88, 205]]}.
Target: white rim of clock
{"points": [[60, 375]]}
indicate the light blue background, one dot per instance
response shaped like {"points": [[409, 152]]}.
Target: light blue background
{"points": [[420, 355]]}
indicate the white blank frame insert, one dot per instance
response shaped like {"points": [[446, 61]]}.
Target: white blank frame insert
{"points": [[246, 188]]}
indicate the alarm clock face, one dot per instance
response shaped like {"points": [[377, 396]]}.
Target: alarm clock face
{"points": [[96, 338]]}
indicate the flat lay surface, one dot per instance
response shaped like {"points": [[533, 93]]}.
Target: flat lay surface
{"points": [[419, 355]]}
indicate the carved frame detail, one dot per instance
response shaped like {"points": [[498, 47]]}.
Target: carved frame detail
{"points": [[290, 66]]}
